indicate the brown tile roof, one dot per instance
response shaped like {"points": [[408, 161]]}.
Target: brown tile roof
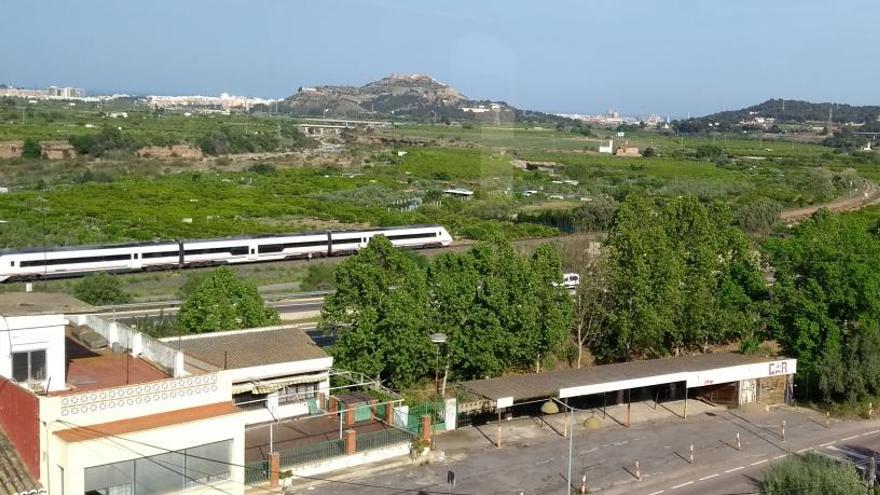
{"points": [[247, 348], [14, 476], [171, 418]]}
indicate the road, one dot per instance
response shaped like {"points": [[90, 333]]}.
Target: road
{"points": [[535, 461], [868, 194]]}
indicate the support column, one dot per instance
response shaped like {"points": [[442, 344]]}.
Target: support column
{"points": [[274, 469], [349, 416], [350, 442], [426, 428], [628, 407], [332, 405], [685, 401], [389, 413], [373, 407]]}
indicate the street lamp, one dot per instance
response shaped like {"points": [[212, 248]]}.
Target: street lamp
{"points": [[437, 338]]}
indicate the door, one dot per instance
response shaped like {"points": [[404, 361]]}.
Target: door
{"points": [[136, 261], [252, 252]]}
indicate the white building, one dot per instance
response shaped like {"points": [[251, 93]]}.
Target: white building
{"points": [[93, 407]]}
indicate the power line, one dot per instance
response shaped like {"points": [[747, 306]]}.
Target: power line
{"points": [[394, 489]]}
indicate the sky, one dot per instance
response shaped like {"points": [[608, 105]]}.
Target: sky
{"points": [[672, 57]]}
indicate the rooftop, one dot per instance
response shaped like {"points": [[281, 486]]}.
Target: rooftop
{"points": [[14, 476], [539, 385], [98, 369], [40, 303], [248, 348], [171, 418]]}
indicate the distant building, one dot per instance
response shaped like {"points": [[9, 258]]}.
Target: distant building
{"points": [[459, 193], [11, 149], [607, 149], [628, 151], [57, 150]]}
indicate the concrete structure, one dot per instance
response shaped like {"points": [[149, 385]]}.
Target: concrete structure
{"points": [[57, 150], [628, 151], [607, 149], [745, 376], [274, 371], [11, 149], [459, 193], [173, 152]]}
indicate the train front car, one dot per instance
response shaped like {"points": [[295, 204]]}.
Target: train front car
{"points": [[7, 267], [443, 236]]}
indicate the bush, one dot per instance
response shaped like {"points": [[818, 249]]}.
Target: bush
{"points": [[224, 302], [101, 289], [812, 474], [319, 276], [31, 149]]}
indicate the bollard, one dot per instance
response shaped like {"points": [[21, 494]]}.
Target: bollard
{"points": [[783, 429], [584, 484], [638, 472], [498, 436], [827, 419], [738, 444], [692, 453]]}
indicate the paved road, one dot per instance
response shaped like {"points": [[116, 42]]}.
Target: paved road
{"points": [[535, 461]]}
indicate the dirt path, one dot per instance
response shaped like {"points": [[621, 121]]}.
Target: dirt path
{"points": [[868, 194]]}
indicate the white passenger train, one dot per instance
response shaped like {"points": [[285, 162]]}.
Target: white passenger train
{"points": [[76, 261]]}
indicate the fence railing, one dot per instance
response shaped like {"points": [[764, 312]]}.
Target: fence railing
{"points": [[256, 472], [381, 438], [311, 453]]}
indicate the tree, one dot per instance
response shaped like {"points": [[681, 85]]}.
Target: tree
{"points": [[224, 302], [101, 289], [812, 474], [590, 298], [679, 278], [31, 148], [379, 315], [827, 305], [649, 152]]}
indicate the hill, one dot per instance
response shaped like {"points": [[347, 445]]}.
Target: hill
{"points": [[413, 96], [797, 111]]}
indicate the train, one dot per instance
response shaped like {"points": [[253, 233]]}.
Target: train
{"points": [[33, 264]]}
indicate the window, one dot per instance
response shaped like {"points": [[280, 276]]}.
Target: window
{"points": [[297, 393], [72, 261], [29, 366], [170, 472]]}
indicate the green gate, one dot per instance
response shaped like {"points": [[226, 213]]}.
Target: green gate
{"points": [[435, 410], [363, 412]]}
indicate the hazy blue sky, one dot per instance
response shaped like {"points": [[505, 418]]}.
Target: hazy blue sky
{"points": [[638, 56]]}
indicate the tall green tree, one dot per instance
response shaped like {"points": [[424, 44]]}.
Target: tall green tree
{"points": [[223, 301], [827, 305], [680, 278], [379, 315]]}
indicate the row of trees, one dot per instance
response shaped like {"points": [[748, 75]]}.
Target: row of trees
{"points": [[498, 310]]}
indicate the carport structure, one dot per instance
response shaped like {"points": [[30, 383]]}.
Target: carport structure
{"points": [[731, 379]]}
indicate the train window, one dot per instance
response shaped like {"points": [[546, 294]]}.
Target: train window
{"points": [[163, 254], [73, 261], [233, 250], [393, 237]]}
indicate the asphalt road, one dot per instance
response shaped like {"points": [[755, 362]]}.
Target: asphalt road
{"points": [[536, 460]]}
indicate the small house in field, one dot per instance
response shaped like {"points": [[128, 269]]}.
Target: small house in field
{"points": [[57, 150], [11, 149], [628, 151]]}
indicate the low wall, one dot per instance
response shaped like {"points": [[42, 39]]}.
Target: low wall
{"points": [[139, 344], [347, 461], [20, 419]]}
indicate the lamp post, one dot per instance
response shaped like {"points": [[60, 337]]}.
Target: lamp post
{"points": [[437, 338]]}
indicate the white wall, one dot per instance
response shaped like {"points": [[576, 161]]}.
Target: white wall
{"points": [[77, 456], [279, 370], [30, 333]]}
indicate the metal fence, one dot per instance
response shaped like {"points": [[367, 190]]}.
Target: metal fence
{"points": [[256, 472], [436, 411], [311, 453], [381, 438]]}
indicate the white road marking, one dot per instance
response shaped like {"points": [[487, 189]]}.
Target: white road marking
{"points": [[704, 478], [828, 443], [780, 456], [658, 492], [735, 469], [872, 432], [683, 484], [758, 463], [848, 452], [802, 451], [620, 443], [589, 450], [849, 438]]}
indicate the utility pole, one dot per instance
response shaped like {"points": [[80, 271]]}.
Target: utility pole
{"points": [[872, 474]]}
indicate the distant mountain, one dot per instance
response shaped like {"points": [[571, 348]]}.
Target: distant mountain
{"points": [[416, 96], [796, 111]]}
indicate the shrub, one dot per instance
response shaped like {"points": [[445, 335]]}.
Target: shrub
{"points": [[101, 289]]}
